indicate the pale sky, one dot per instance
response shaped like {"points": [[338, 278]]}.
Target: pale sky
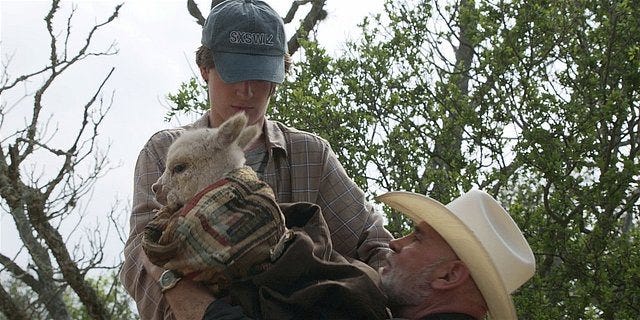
{"points": [[156, 41]]}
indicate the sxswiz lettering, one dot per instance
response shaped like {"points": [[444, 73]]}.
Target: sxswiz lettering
{"points": [[255, 38]]}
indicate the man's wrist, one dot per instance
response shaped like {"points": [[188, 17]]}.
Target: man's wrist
{"points": [[169, 279]]}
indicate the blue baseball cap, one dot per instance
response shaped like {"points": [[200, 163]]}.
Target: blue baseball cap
{"points": [[247, 40]]}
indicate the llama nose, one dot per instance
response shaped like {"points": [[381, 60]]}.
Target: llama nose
{"points": [[155, 187], [158, 191]]}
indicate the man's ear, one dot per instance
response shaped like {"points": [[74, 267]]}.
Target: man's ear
{"points": [[454, 274], [204, 72]]}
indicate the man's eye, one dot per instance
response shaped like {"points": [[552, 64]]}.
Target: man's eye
{"points": [[179, 168]]}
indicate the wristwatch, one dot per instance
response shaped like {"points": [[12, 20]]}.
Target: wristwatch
{"points": [[169, 279]]}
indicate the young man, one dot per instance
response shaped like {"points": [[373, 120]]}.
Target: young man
{"points": [[462, 261], [242, 60]]}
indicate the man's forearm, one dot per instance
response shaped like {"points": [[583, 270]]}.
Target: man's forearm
{"points": [[188, 300]]}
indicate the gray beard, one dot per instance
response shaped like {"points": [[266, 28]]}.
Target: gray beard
{"points": [[409, 289], [405, 289]]}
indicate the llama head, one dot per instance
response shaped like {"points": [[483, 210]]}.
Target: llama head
{"points": [[201, 157]]}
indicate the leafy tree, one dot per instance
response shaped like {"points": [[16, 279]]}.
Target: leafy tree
{"points": [[537, 102], [42, 200], [110, 291], [545, 116]]}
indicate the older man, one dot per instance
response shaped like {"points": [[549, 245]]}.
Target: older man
{"points": [[462, 261]]}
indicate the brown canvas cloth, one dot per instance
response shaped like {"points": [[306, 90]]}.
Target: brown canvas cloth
{"points": [[310, 280]]}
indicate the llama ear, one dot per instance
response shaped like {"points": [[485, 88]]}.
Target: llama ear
{"points": [[248, 135], [229, 130]]}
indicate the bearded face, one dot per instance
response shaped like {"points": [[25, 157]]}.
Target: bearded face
{"points": [[415, 262], [406, 288]]}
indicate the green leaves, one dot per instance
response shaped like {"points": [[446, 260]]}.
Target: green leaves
{"points": [[191, 97]]}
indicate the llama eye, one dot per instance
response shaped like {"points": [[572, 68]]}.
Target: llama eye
{"points": [[179, 168]]}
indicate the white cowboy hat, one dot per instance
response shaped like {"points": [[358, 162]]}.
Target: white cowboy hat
{"points": [[484, 237]]}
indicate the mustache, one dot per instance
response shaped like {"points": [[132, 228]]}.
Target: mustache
{"points": [[388, 256]]}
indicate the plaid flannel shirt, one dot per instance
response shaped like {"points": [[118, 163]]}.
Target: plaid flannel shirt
{"points": [[300, 167]]}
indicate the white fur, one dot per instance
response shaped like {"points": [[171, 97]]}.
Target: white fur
{"points": [[201, 157]]}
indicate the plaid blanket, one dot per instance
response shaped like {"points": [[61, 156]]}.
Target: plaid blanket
{"points": [[225, 232]]}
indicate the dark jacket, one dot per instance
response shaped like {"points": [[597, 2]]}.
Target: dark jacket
{"points": [[444, 316], [310, 280]]}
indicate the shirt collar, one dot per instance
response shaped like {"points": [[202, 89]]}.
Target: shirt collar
{"points": [[274, 136]]}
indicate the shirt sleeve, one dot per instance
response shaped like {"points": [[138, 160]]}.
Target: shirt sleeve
{"points": [[140, 285], [352, 216]]}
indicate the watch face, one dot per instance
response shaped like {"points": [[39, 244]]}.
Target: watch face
{"points": [[168, 279]]}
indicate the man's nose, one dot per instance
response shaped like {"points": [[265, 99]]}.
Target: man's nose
{"points": [[244, 89]]}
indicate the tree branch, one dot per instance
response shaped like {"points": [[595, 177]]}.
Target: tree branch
{"points": [[315, 14], [9, 308]]}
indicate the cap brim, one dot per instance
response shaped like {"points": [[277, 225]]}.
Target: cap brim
{"points": [[463, 241], [235, 67]]}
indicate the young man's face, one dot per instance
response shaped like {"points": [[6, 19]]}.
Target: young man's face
{"points": [[417, 259], [227, 99]]}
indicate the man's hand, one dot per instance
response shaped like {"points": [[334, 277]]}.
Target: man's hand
{"points": [[188, 300]]}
